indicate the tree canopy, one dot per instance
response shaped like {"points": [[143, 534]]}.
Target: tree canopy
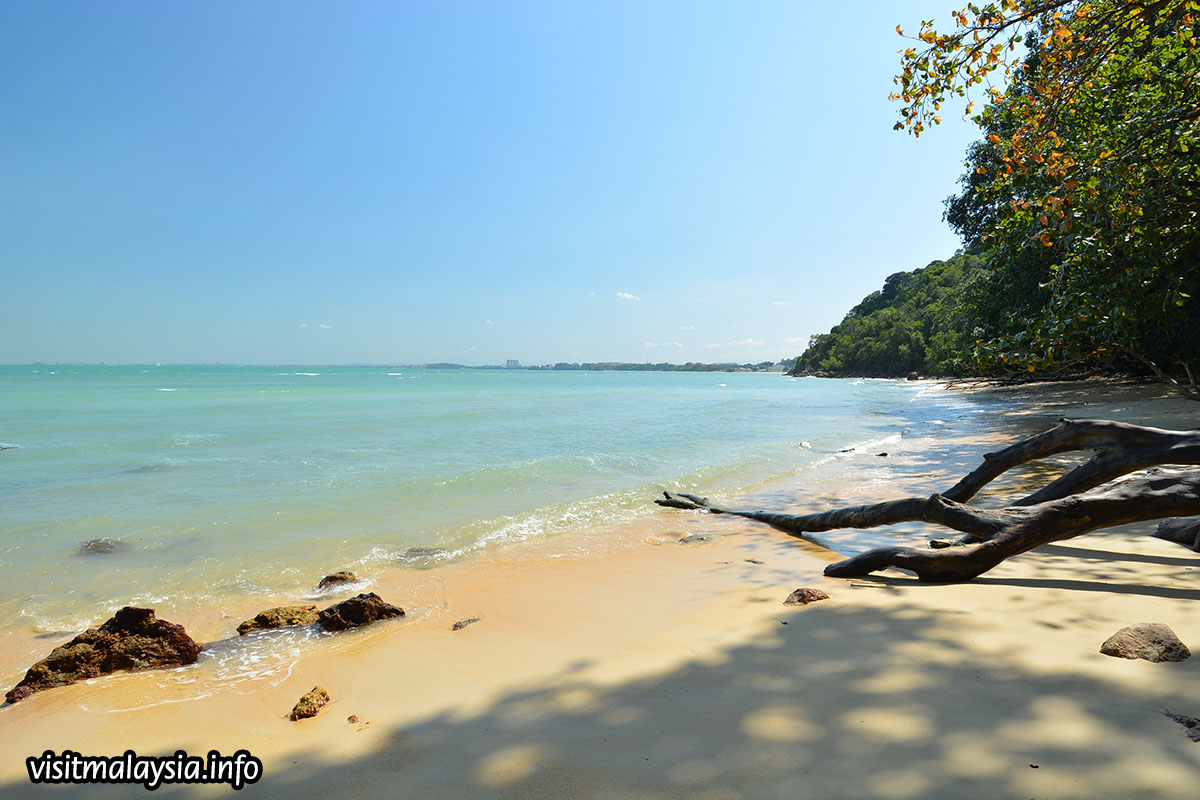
{"points": [[910, 325], [1084, 187]]}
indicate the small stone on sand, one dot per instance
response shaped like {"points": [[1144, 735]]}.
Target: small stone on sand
{"points": [[310, 703], [1151, 641], [804, 596]]}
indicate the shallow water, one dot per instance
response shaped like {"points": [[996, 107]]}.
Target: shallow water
{"points": [[222, 483]]}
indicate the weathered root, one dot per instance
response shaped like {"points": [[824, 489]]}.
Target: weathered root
{"points": [[1068, 507], [1120, 449], [1180, 531], [937, 509], [1134, 500]]}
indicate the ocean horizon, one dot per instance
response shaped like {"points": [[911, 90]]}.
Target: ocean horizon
{"points": [[195, 485]]}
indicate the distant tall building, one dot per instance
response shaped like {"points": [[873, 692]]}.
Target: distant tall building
{"points": [[512, 363]]}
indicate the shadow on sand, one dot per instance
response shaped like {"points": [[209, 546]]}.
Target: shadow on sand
{"points": [[845, 701]]}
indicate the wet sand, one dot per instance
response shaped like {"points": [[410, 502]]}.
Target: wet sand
{"points": [[626, 665]]}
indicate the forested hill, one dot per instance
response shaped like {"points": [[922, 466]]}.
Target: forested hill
{"points": [[910, 325]]}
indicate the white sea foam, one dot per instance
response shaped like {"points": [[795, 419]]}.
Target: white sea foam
{"points": [[268, 493], [238, 665]]}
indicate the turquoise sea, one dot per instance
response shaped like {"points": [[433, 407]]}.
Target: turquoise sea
{"points": [[239, 481]]}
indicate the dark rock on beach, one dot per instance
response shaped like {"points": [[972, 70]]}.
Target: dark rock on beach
{"points": [[310, 703], [360, 610], [804, 596], [1152, 641], [101, 546], [345, 576], [1191, 724], [280, 617], [697, 538], [462, 623], [133, 639]]}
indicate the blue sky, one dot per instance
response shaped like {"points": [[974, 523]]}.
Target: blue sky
{"points": [[406, 182]]}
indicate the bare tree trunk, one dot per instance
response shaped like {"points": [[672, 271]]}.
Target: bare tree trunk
{"points": [[1067, 507]]}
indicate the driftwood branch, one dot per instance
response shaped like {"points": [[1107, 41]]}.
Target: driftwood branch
{"points": [[1180, 531], [1083, 500], [1120, 448]]}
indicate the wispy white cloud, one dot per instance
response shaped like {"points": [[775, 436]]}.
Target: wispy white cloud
{"points": [[327, 327], [470, 350], [627, 296], [739, 343], [303, 324], [688, 328], [489, 322], [663, 344], [591, 294], [796, 340], [782, 303]]}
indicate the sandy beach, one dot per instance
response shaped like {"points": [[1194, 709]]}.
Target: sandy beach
{"points": [[642, 668]]}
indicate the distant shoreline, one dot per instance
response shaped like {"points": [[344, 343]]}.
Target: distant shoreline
{"points": [[780, 367]]}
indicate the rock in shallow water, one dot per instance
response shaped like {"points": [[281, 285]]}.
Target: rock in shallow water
{"points": [[360, 610], [462, 623], [101, 546], [280, 617], [345, 576], [1151, 641], [133, 639], [310, 703], [423, 557]]}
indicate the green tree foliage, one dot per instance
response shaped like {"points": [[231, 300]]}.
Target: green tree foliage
{"points": [[1085, 187], [910, 325]]}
